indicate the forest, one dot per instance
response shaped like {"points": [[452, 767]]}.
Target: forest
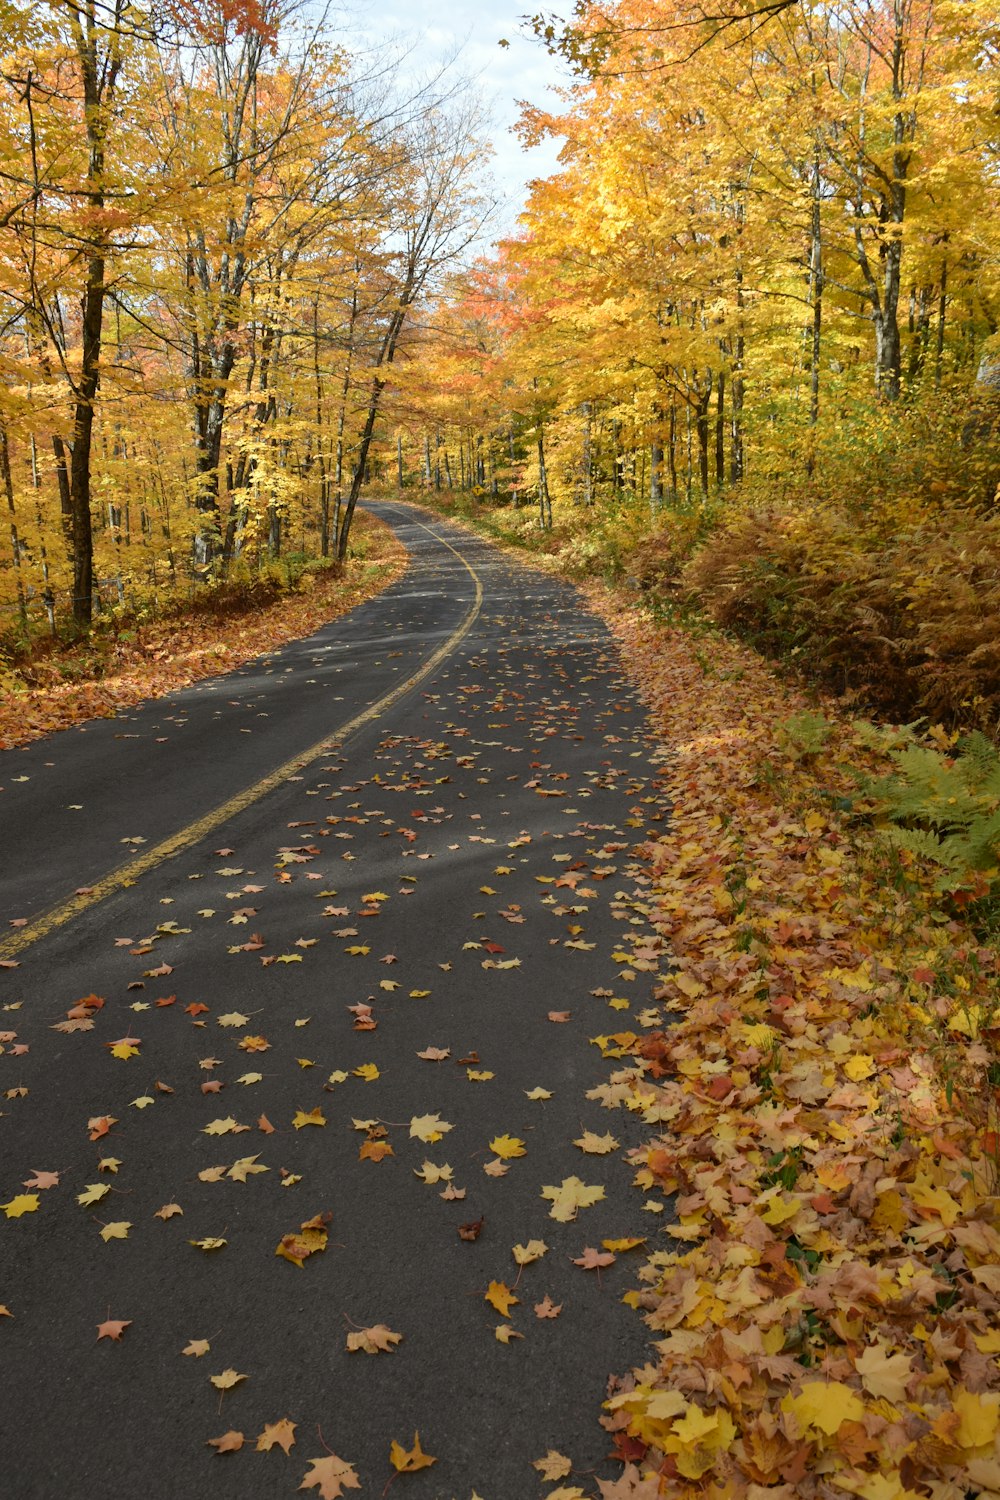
{"points": [[742, 350], [214, 228]]}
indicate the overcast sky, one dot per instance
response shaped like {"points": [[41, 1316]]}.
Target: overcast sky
{"points": [[437, 30]]}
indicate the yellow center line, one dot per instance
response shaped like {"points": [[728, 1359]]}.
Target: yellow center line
{"points": [[127, 874]]}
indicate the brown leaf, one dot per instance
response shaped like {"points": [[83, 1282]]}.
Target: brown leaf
{"points": [[331, 1476], [42, 1179], [113, 1328], [229, 1442], [472, 1230], [593, 1260], [376, 1340], [279, 1434], [547, 1308]]}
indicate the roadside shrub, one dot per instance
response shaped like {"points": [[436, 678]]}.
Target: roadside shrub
{"points": [[908, 620]]}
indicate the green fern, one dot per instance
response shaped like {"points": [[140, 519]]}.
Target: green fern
{"points": [[944, 810]]}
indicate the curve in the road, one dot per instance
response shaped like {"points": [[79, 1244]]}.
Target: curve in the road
{"points": [[128, 873]]}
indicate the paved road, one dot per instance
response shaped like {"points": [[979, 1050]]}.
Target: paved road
{"points": [[457, 872]]}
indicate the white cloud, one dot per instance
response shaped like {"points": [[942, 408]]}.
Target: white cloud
{"points": [[467, 34]]}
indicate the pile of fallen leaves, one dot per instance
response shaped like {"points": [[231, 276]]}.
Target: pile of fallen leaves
{"points": [[170, 654], [829, 1321]]}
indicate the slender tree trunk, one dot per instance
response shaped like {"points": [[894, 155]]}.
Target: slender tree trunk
{"points": [[15, 543], [702, 424], [942, 309], [816, 297]]}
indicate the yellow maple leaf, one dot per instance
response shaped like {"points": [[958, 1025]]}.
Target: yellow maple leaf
{"points": [[569, 1197], [533, 1250], [93, 1194], [860, 1066], [116, 1231], [245, 1167], [428, 1172], [228, 1126], [227, 1380], [500, 1296], [824, 1404], [883, 1373], [537, 1093], [314, 1117], [368, 1071], [406, 1462], [504, 1333], [376, 1340], [507, 1147], [596, 1145], [428, 1127], [925, 1194], [553, 1466], [979, 1415], [21, 1203]]}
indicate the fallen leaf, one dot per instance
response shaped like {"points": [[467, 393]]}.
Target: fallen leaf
{"points": [[228, 1126], [196, 1347], [472, 1230], [93, 1194], [553, 1466], [507, 1147], [116, 1231], [113, 1328], [168, 1211], [331, 1476], [547, 1308], [376, 1340], [428, 1128], [42, 1179], [407, 1462], [430, 1173], [532, 1251], [229, 1442], [594, 1260], [596, 1145], [309, 1240], [500, 1296], [227, 1380], [504, 1333], [314, 1117], [570, 1197], [279, 1434]]}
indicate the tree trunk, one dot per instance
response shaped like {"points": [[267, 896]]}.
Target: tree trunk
{"points": [[15, 543]]}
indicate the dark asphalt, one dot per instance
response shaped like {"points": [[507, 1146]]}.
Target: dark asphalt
{"points": [[439, 830]]}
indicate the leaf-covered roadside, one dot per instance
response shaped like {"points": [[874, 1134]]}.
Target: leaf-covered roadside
{"points": [[829, 1321], [161, 656]]}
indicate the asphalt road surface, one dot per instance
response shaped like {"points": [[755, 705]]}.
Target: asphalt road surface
{"points": [[285, 885]]}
